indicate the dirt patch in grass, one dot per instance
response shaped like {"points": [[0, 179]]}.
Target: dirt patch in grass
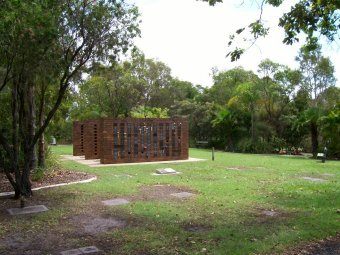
{"points": [[268, 217], [328, 246], [55, 177], [158, 192], [94, 225], [196, 227], [86, 224]]}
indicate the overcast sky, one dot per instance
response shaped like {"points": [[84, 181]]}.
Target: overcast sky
{"points": [[191, 37]]}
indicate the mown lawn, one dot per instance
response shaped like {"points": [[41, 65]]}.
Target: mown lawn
{"points": [[226, 215]]}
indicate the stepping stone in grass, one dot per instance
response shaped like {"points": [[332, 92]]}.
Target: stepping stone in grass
{"points": [[313, 179], [182, 194], [115, 202], [166, 171], [80, 251], [27, 210]]}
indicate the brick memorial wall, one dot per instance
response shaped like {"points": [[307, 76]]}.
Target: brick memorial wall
{"points": [[92, 134], [78, 138], [132, 140]]}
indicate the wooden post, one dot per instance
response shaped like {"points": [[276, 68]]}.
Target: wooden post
{"points": [[213, 154]]}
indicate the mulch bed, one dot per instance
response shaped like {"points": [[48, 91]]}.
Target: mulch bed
{"points": [[328, 246], [55, 177]]}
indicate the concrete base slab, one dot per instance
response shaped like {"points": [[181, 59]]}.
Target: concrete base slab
{"points": [[27, 210], [166, 171], [81, 251], [182, 194], [96, 162], [115, 202], [313, 179]]}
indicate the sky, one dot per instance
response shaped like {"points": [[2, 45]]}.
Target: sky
{"points": [[191, 37]]}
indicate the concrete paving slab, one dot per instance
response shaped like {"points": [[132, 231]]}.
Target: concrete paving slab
{"points": [[182, 194], [312, 179], [96, 162], [89, 250], [269, 213], [81, 251], [27, 210], [72, 252], [123, 175], [165, 174], [115, 202]]}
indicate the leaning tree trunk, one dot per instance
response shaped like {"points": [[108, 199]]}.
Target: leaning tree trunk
{"points": [[314, 138]]}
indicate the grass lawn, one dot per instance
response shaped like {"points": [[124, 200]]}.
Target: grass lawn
{"points": [[226, 216]]}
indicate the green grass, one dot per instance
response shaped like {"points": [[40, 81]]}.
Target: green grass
{"points": [[228, 202]]}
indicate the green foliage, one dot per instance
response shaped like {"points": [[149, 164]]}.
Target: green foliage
{"points": [[44, 48], [52, 164], [310, 17], [149, 112], [330, 128]]}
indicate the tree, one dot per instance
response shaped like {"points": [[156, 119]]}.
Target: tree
{"points": [[318, 76], [276, 87], [65, 34], [109, 91], [225, 83], [310, 17], [247, 95], [154, 78]]}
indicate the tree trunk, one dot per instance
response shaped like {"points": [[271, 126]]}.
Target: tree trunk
{"points": [[41, 142], [15, 139], [253, 125], [41, 151], [314, 137], [31, 126]]}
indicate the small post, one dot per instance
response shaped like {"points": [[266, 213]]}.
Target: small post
{"points": [[324, 155], [213, 154], [22, 202]]}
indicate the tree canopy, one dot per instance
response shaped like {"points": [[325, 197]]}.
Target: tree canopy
{"points": [[313, 18], [44, 47]]}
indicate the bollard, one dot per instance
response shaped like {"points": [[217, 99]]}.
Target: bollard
{"points": [[324, 155], [22, 202], [213, 154]]}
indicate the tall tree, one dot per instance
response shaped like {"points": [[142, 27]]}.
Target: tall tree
{"points": [[70, 34], [318, 75]]}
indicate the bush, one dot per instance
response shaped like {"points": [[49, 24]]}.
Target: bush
{"points": [[51, 164]]}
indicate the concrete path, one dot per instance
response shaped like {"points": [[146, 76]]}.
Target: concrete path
{"points": [[96, 162]]}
